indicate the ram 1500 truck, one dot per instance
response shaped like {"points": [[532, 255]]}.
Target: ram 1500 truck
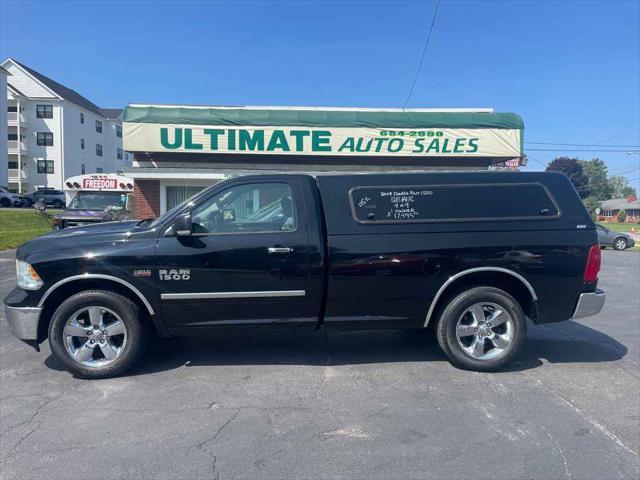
{"points": [[472, 254]]}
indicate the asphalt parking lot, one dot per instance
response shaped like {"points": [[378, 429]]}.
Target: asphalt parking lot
{"points": [[350, 405]]}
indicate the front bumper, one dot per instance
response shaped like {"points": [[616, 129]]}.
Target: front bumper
{"points": [[23, 321], [589, 304]]}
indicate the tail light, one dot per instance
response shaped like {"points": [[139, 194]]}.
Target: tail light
{"points": [[593, 264]]}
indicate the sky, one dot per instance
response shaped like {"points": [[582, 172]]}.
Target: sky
{"points": [[571, 69]]}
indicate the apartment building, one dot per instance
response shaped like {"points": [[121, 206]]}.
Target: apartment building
{"points": [[54, 132]]}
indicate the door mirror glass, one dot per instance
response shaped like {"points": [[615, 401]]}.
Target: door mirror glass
{"points": [[182, 225]]}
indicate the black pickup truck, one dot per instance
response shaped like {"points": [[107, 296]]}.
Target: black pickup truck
{"points": [[470, 254]]}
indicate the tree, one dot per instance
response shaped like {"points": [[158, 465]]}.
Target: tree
{"points": [[596, 172], [622, 216], [620, 187], [591, 203], [572, 168]]}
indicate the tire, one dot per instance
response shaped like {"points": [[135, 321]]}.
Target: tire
{"points": [[57, 204], [5, 202], [460, 316], [109, 308], [620, 243]]}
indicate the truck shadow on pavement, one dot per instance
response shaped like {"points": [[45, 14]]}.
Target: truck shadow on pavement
{"points": [[567, 342]]}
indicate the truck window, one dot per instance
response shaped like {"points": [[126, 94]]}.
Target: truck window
{"points": [[452, 203], [252, 208]]}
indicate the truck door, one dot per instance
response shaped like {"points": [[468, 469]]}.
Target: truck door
{"points": [[245, 263]]}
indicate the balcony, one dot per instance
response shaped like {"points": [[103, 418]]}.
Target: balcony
{"points": [[16, 175], [15, 119], [16, 146]]}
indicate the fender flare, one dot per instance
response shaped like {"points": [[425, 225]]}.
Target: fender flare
{"points": [[459, 275], [87, 276]]}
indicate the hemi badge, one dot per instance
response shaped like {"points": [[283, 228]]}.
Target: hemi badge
{"points": [[142, 273]]}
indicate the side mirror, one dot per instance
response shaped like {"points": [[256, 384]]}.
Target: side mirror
{"points": [[182, 225]]}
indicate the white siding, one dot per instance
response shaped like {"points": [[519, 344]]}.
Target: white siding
{"points": [[25, 83], [4, 162]]}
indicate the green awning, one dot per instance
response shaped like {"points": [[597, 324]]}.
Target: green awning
{"points": [[320, 118]]}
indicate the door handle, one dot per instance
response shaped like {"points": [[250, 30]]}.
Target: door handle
{"points": [[280, 250]]}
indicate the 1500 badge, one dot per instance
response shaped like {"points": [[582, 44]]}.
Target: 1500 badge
{"points": [[179, 274]]}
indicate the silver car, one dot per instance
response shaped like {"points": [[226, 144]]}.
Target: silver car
{"points": [[8, 199], [617, 240]]}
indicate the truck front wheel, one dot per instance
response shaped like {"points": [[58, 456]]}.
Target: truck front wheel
{"points": [[482, 329], [97, 334]]}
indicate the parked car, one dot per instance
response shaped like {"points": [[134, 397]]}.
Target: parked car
{"points": [[334, 252], [48, 196], [8, 199], [617, 240], [27, 201]]}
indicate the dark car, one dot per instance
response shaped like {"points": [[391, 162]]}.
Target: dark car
{"points": [[49, 197], [610, 238], [472, 255]]}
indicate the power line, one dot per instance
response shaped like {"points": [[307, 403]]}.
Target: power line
{"points": [[620, 136], [584, 144], [424, 50], [574, 150]]}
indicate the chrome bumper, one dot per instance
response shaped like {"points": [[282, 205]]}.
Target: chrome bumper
{"points": [[589, 304], [23, 322]]}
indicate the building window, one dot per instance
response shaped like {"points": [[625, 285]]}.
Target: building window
{"points": [[45, 166], [98, 149], [45, 139], [98, 126], [119, 153], [44, 111], [118, 131], [12, 108], [12, 136], [82, 143], [99, 170], [126, 156], [81, 117], [83, 168], [13, 165]]}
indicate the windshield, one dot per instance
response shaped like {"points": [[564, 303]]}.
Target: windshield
{"points": [[97, 200]]}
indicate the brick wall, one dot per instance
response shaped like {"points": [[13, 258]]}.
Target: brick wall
{"points": [[146, 198]]}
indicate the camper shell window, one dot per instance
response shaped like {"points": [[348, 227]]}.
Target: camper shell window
{"points": [[452, 203]]}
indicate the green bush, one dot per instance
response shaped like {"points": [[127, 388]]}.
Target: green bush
{"points": [[622, 216]]}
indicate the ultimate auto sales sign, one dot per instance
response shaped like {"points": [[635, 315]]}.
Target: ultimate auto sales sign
{"points": [[150, 137]]}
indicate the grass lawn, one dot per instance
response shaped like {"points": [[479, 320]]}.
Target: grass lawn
{"points": [[621, 227], [18, 226]]}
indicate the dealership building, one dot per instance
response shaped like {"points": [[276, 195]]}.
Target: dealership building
{"points": [[178, 150]]}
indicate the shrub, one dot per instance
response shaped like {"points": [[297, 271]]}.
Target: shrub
{"points": [[622, 216]]}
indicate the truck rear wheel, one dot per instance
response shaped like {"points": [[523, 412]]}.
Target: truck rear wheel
{"points": [[97, 334], [482, 329]]}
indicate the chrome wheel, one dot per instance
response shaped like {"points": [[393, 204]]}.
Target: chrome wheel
{"points": [[95, 336], [485, 331], [620, 244]]}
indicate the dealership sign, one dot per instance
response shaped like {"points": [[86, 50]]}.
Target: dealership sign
{"points": [[153, 129]]}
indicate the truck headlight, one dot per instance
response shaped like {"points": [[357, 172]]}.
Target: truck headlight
{"points": [[28, 278]]}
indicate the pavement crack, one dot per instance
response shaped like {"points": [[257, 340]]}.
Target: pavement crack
{"points": [[203, 445], [23, 438], [559, 450], [597, 425]]}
